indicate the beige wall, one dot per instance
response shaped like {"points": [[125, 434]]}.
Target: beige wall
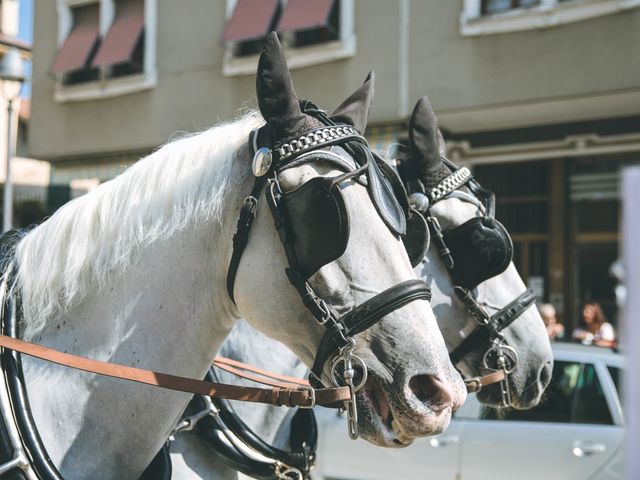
{"points": [[461, 75]]}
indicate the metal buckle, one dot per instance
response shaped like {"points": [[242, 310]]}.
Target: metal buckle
{"points": [[473, 385], [283, 471], [189, 423], [504, 353], [347, 358], [322, 305], [312, 399]]}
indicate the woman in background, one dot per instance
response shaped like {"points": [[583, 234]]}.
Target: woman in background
{"points": [[555, 329], [595, 330]]}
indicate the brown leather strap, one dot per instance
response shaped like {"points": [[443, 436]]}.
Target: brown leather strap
{"points": [[291, 397], [265, 377], [475, 384]]}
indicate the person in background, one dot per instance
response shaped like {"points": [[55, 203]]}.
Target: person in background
{"points": [[595, 329], [555, 330]]}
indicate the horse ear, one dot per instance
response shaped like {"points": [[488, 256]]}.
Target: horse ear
{"points": [[354, 110], [442, 145], [277, 99], [423, 130], [424, 141]]}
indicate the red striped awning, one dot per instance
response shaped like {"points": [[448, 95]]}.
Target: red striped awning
{"points": [[305, 14], [120, 42], [78, 46], [251, 19]]}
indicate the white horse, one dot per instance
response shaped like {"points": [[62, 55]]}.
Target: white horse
{"points": [[527, 335], [134, 273]]}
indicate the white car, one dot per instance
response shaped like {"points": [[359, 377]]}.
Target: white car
{"points": [[576, 434]]}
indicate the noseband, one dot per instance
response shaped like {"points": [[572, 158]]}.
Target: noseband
{"points": [[295, 216], [483, 243]]}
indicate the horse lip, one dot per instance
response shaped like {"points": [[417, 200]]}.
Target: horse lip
{"points": [[374, 391]]}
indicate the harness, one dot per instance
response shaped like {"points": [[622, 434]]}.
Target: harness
{"points": [[473, 252], [232, 441], [313, 224]]}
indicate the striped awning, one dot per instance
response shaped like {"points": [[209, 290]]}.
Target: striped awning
{"points": [[250, 20], [305, 14], [120, 42], [74, 53]]}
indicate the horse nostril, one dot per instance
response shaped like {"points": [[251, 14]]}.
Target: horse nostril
{"points": [[428, 389], [545, 374]]}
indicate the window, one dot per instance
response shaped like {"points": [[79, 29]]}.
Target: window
{"points": [[73, 61], [310, 23], [573, 396], [616, 376], [497, 6], [313, 31], [483, 17], [106, 48], [122, 50], [522, 204]]}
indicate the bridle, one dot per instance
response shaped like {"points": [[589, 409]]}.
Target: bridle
{"points": [[499, 358], [270, 160]]}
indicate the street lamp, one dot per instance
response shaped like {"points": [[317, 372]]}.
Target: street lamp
{"points": [[11, 80]]}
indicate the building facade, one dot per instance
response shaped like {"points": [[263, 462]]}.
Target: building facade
{"points": [[541, 98], [30, 177]]}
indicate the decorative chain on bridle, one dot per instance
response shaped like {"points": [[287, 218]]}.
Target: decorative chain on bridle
{"points": [[315, 139]]}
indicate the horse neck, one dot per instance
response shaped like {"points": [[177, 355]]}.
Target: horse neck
{"points": [[169, 313]]}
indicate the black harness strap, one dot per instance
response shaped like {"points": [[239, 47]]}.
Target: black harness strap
{"points": [[241, 237], [215, 431], [490, 327], [367, 314]]}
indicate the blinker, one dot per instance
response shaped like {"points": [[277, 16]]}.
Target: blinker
{"points": [[261, 163]]}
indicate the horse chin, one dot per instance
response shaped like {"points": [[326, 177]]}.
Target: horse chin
{"points": [[381, 423], [376, 421]]}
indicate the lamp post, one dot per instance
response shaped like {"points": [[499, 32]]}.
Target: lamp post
{"points": [[11, 80]]}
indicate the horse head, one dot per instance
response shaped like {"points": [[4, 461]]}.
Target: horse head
{"points": [[473, 279], [340, 215]]}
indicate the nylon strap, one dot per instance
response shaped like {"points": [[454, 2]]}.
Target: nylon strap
{"points": [[291, 397]]}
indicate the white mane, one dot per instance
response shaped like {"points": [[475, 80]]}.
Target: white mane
{"points": [[96, 236]]}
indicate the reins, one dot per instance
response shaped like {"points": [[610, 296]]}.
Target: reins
{"points": [[288, 393]]}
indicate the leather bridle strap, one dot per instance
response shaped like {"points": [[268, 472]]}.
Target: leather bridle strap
{"points": [[291, 397], [485, 332], [367, 314], [475, 384], [258, 375], [241, 237]]}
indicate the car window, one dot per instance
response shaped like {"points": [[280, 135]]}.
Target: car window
{"points": [[590, 404], [616, 376], [574, 395]]}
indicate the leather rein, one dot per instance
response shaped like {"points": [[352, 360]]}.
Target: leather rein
{"points": [[285, 393]]}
